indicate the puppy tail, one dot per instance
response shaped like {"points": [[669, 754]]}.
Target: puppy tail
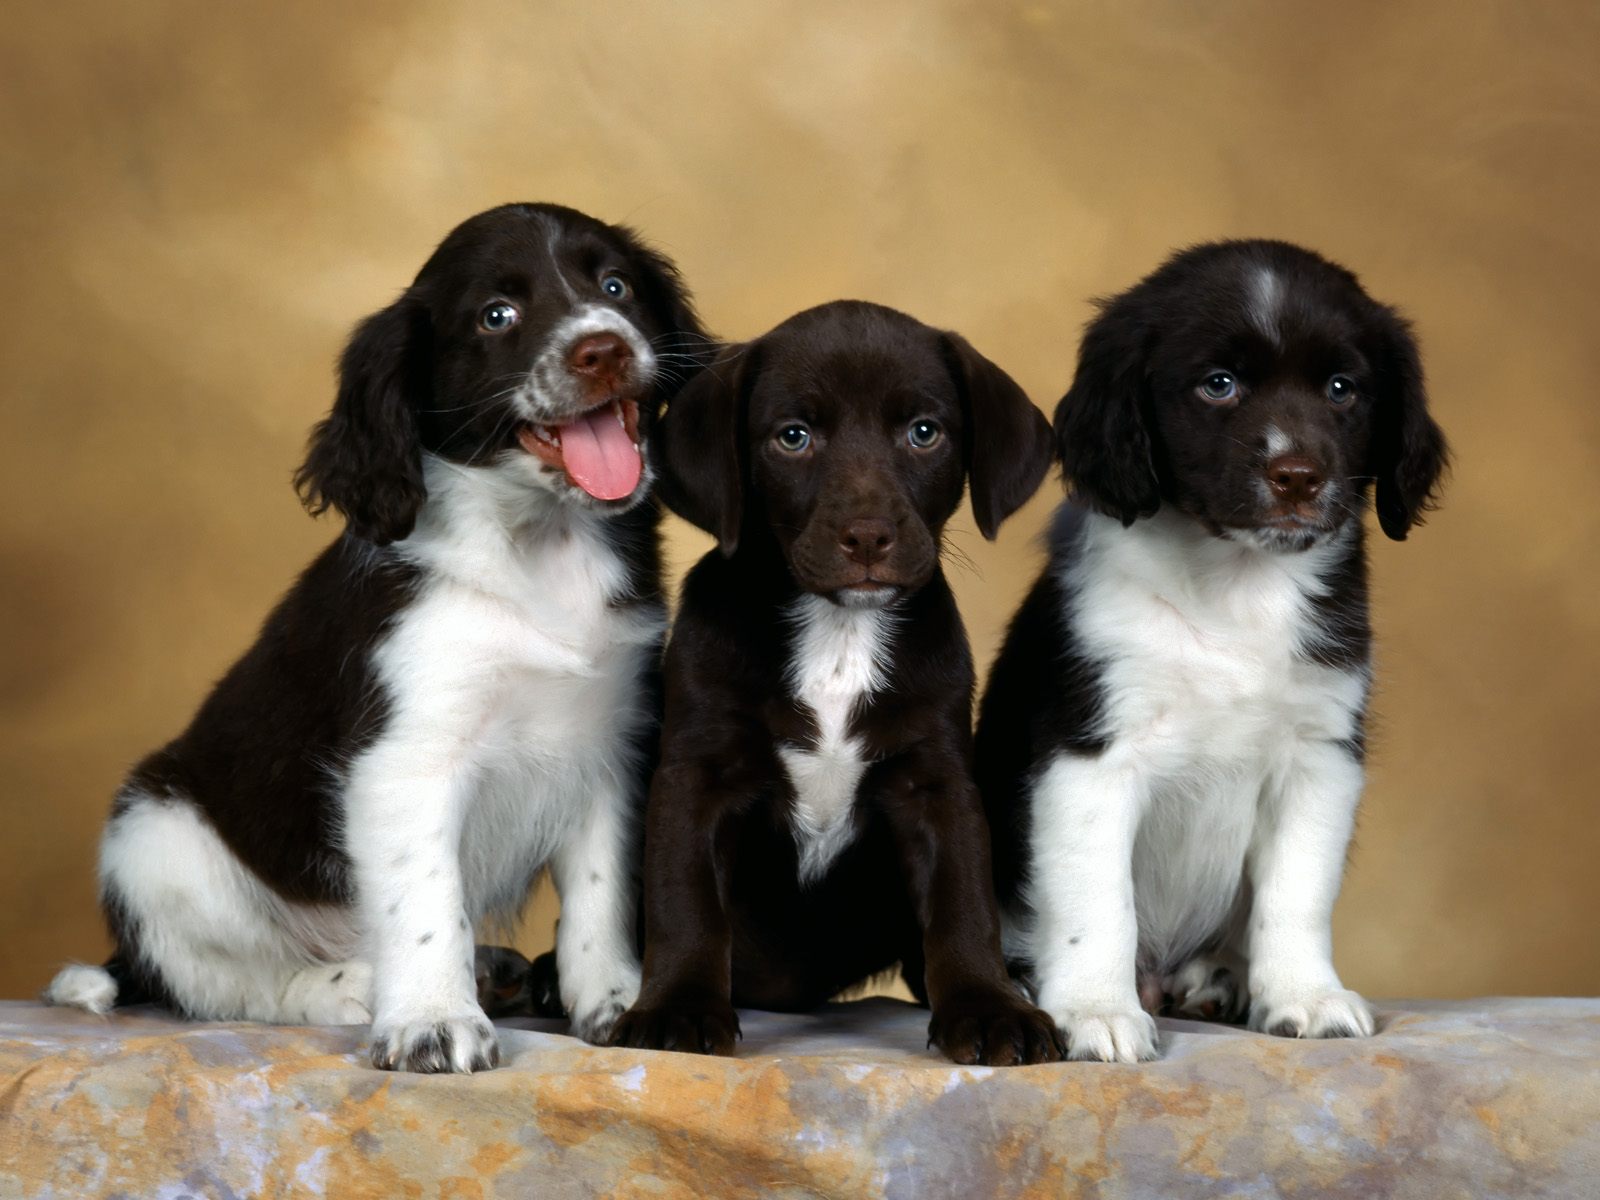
{"points": [[93, 989]]}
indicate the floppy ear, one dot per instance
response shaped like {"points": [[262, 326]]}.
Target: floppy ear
{"points": [[1408, 452], [365, 458], [1101, 433], [699, 446], [666, 295], [1008, 439]]}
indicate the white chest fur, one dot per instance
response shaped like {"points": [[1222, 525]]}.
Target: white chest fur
{"points": [[1201, 641], [837, 660], [1207, 699], [514, 675]]}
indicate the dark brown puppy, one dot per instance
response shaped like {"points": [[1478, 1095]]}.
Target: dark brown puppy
{"points": [[813, 819]]}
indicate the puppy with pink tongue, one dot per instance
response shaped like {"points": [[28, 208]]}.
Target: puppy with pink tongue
{"points": [[599, 451]]}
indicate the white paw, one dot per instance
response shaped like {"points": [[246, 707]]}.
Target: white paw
{"points": [[1123, 1035], [330, 994], [456, 1042], [81, 986], [1311, 1013], [1205, 987], [595, 1004]]}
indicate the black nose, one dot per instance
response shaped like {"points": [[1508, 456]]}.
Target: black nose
{"points": [[600, 355], [1295, 478], [867, 541]]}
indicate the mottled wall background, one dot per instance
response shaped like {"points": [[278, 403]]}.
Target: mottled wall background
{"points": [[198, 200]]}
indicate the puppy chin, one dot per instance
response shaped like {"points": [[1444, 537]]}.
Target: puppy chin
{"points": [[879, 596], [1287, 537]]}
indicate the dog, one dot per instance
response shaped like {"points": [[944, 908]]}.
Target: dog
{"points": [[812, 821], [461, 690], [1171, 744]]}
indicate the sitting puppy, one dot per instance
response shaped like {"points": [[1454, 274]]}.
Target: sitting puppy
{"points": [[1170, 745], [459, 690], [813, 821]]}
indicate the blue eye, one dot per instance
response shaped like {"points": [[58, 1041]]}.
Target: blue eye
{"points": [[1341, 390], [793, 438], [615, 286], [924, 434], [498, 317], [1219, 387]]}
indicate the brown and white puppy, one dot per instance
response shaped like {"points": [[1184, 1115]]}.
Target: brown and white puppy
{"points": [[813, 819], [1170, 745], [456, 693]]}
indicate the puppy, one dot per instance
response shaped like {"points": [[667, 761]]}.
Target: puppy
{"points": [[813, 821], [459, 691], [1170, 745]]}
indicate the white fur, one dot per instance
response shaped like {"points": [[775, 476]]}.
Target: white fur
{"points": [[79, 985], [838, 659], [1223, 766], [514, 696], [512, 681], [1266, 302]]}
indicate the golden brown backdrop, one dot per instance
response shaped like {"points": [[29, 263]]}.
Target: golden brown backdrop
{"points": [[200, 199]]}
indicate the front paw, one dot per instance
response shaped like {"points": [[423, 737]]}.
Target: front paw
{"points": [[1107, 1033], [995, 1029], [460, 1043], [596, 1000], [1327, 1012], [690, 1025]]}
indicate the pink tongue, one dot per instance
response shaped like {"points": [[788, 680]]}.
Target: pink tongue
{"points": [[599, 455]]}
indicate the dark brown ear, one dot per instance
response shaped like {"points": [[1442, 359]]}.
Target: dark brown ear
{"points": [[365, 459], [1101, 435], [1008, 439], [699, 445], [1408, 455]]}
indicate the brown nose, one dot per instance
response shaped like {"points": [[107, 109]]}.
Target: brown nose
{"points": [[867, 541], [599, 356], [1294, 478]]}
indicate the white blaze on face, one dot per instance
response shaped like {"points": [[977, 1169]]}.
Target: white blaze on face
{"points": [[1266, 303]]}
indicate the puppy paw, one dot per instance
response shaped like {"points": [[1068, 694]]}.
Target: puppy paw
{"points": [[1113, 1035], [504, 983], [693, 1026], [996, 1030], [330, 994], [1311, 1013], [595, 999], [458, 1043], [1203, 987]]}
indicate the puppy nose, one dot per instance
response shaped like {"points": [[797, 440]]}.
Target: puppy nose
{"points": [[1295, 478], [599, 355], [867, 541]]}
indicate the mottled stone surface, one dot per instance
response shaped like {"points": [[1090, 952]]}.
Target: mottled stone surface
{"points": [[1480, 1099]]}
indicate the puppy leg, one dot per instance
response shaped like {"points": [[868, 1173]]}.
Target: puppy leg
{"points": [[189, 911], [979, 1015], [331, 994], [1085, 935], [1296, 862], [685, 1000], [599, 976], [402, 832]]}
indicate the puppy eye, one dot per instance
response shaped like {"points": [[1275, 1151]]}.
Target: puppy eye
{"points": [[1219, 387], [498, 317], [924, 434], [1341, 390], [793, 438], [615, 286]]}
